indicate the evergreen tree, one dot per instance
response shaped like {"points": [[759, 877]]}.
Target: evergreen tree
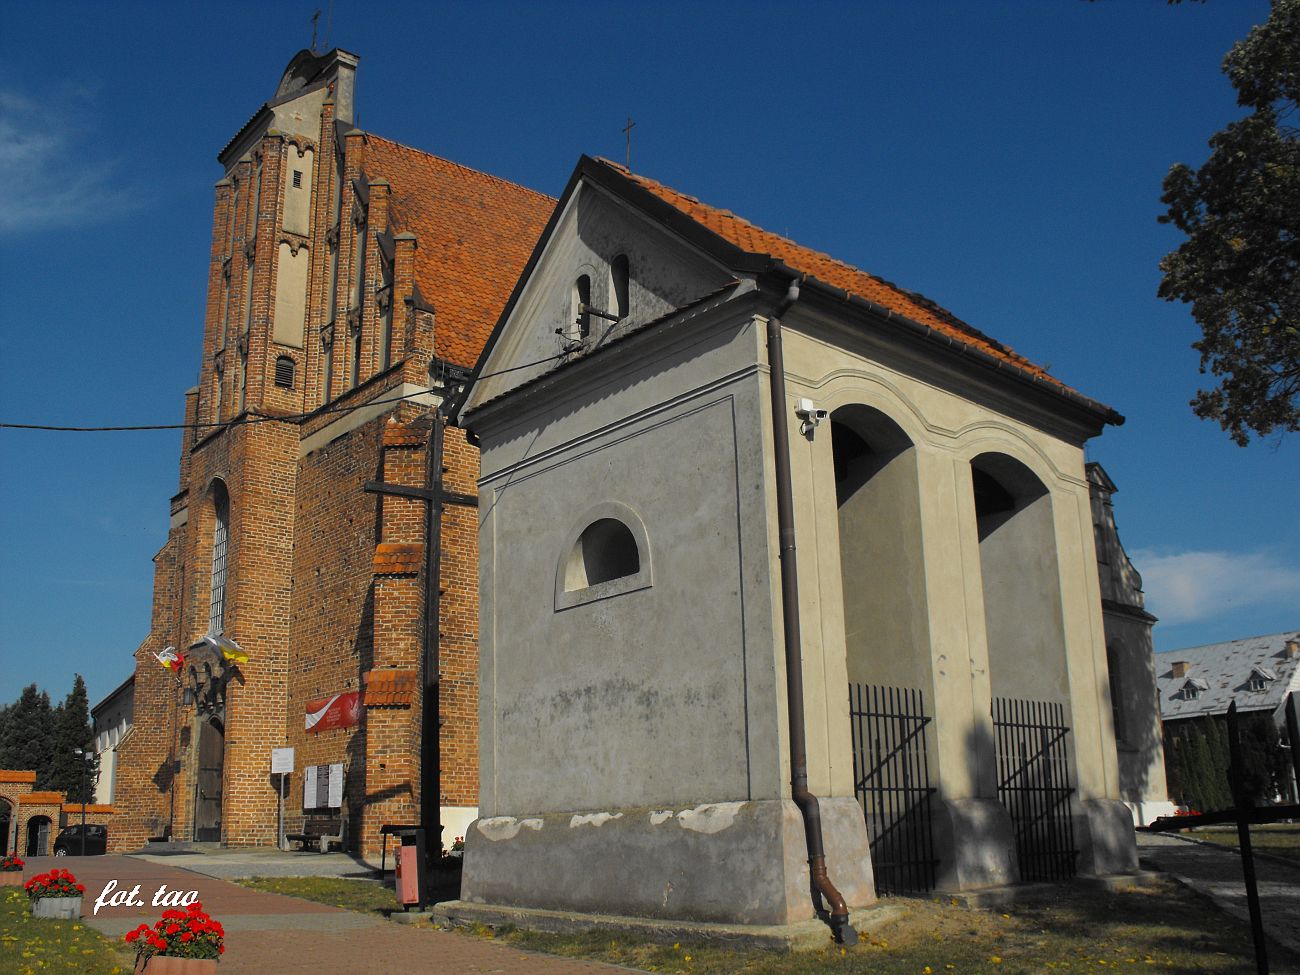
{"points": [[69, 772], [28, 741]]}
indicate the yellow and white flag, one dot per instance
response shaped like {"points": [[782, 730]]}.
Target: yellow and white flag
{"points": [[228, 648]]}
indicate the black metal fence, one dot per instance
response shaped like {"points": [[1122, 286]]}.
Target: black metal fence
{"points": [[891, 777], [1034, 785]]}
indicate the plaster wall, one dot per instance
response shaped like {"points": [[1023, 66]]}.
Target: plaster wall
{"points": [[666, 693], [1022, 605], [592, 230], [886, 623], [951, 422]]}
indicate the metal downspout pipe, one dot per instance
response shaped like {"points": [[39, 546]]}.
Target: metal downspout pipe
{"points": [[805, 800]]}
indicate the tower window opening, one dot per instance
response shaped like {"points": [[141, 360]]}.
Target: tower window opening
{"points": [[619, 277], [579, 320], [297, 179], [284, 370]]}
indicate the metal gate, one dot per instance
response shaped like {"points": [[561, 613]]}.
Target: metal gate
{"points": [[1034, 785], [891, 778]]}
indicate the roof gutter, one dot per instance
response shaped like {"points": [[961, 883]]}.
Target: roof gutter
{"points": [[803, 798]]}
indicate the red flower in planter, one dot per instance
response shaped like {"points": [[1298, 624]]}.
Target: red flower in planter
{"points": [[198, 937], [11, 863], [56, 883]]}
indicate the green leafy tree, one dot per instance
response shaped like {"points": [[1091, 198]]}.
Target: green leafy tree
{"points": [[72, 731], [1239, 268], [28, 741]]}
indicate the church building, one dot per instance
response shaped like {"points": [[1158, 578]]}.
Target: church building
{"points": [[773, 543], [351, 280]]}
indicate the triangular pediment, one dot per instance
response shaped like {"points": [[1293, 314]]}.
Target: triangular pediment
{"points": [[602, 270]]}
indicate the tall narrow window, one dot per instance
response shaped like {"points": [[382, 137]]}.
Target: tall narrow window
{"points": [[327, 366], [250, 249], [579, 320], [619, 276], [334, 238], [220, 541], [217, 377], [386, 317], [354, 364], [243, 376], [359, 279], [1113, 665]]}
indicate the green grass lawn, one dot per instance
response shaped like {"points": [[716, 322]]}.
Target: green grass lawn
{"points": [[1159, 929], [29, 946], [366, 896], [1278, 839]]}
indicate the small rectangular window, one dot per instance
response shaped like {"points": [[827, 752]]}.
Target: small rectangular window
{"points": [[297, 179]]}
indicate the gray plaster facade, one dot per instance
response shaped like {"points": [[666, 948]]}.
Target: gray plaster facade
{"points": [[634, 730]]}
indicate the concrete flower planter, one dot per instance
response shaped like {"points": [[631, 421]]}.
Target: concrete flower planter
{"points": [[11, 878], [165, 965], [62, 908]]}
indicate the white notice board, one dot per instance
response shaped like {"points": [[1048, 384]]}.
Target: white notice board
{"points": [[281, 761]]}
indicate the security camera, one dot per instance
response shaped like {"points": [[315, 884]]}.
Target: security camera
{"points": [[810, 414]]}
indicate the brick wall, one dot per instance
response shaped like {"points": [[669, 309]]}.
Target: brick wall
{"points": [[307, 597]]}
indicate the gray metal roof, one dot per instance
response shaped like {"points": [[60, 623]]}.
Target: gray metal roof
{"points": [[1222, 671]]}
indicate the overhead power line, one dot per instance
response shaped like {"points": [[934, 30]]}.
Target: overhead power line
{"points": [[251, 419]]}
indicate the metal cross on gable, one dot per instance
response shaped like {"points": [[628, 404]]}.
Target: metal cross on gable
{"points": [[627, 130]]}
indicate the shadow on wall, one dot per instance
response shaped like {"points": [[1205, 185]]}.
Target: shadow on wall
{"points": [[358, 780]]}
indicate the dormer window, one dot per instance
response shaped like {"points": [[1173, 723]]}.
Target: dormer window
{"points": [[1193, 688], [1260, 679]]}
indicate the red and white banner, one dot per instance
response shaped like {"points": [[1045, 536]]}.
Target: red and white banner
{"points": [[339, 711]]}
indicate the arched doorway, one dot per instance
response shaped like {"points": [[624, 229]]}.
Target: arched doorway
{"points": [[38, 836], [1021, 581], [208, 783], [7, 841], [1028, 674], [886, 621]]}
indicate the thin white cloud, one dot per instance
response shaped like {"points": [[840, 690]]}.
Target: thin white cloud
{"points": [[1185, 587], [50, 174]]}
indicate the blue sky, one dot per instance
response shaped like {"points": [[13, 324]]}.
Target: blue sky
{"points": [[1003, 158]]}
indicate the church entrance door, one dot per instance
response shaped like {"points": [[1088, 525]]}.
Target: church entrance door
{"points": [[207, 790]]}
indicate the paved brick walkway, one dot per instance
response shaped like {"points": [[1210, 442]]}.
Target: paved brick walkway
{"points": [[272, 933]]}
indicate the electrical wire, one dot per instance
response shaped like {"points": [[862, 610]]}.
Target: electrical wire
{"points": [[252, 419]]}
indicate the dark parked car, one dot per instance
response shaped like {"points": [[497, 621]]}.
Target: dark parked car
{"points": [[68, 842]]}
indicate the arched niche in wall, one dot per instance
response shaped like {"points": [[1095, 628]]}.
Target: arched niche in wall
{"points": [[1021, 580], [606, 553], [886, 621]]}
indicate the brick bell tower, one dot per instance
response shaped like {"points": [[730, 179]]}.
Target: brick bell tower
{"points": [[271, 222], [321, 370]]}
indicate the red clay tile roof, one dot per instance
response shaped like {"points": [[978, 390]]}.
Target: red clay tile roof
{"points": [[390, 688], [398, 558], [13, 775], [42, 799], [475, 233], [743, 234]]}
